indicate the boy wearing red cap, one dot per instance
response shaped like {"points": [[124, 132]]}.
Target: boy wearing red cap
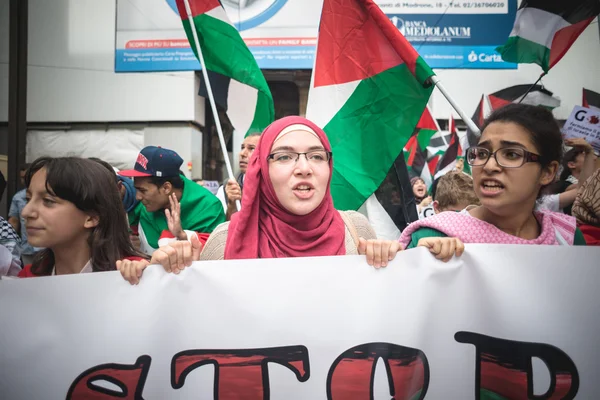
{"points": [[171, 206]]}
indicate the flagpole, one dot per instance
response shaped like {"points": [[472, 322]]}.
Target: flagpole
{"points": [[211, 97], [531, 87], [436, 81]]}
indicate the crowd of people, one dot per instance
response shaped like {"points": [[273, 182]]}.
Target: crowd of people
{"points": [[78, 215]]}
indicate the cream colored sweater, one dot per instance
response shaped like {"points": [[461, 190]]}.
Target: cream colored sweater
{"points": [[215, 246]]}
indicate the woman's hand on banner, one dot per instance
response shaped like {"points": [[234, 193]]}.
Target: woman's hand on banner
{"points": [[379, 252], [443, 248], [132, 270], [175, 256]]}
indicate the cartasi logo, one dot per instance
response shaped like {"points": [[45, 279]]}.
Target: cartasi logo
{"points": [[484, 57]]}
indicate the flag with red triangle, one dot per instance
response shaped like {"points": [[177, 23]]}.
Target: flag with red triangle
{"points": [[590, 99], [454, 152], [544, 30], [415, 150], [368, 91]]}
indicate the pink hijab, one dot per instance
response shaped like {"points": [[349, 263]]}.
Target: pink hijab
{"points": [[264, 229]]}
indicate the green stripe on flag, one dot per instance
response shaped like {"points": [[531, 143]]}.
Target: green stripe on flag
{"points": [[523, 51], [424, 137], [370, 131], [226, 53], [423, 72]]}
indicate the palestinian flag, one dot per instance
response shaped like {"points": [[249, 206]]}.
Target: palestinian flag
{"points": [[537, 96], [239, 85], [368, 91], [478, 118], [455, 151], [591, 99], [415, 150], [544, 30]]}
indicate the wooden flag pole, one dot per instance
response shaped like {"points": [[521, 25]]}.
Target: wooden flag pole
{"points": [[436, 81], [211, 98]]}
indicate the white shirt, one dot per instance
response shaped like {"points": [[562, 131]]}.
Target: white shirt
{"points": [[549, 202], [87, 268]]}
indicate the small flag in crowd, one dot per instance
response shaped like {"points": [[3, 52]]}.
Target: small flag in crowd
{"points": [[544, 30], [454, 152], [415, 150], [537, 96], [369, 90], [478, 118], [591, 99], [239, 86]]}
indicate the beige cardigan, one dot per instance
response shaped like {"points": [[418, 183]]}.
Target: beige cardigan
{"points": [[215, 246]]}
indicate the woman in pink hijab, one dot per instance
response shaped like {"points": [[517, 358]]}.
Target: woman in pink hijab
{"points": [[287, 209]]}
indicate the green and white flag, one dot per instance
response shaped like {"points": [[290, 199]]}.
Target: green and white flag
{"points": [[238, 84], [545, 30], [368, 91]]}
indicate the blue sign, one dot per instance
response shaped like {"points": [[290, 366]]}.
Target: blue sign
{"points": [[458, 34]]}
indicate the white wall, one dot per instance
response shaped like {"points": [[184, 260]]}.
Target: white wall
{"points": [[579, 68], [71, 70]]}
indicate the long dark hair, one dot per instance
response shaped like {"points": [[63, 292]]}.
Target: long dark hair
{"points": [[90, 187], [569, 156]]}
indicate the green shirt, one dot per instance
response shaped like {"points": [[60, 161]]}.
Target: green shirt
{"points": [[429, 232], [201, 212]]}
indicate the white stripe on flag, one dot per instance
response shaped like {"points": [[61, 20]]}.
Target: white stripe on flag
{"points": [[220, 14], [241, 105], [380, 220], [325, 101], [446, 169], [537, 25]]}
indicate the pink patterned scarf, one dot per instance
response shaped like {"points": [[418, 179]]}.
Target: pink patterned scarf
{"points": [[557, 228]]}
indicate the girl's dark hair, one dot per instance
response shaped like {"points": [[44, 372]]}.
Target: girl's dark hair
{"points": [[569, 156], [541, 125], [91, 188]]}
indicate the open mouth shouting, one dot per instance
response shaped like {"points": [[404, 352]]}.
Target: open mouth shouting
{"points": [[491, 187]]}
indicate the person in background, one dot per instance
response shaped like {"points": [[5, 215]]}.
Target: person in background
{"points": [[587, 209], [559, 196], [422, 199], [9, 238], [231, 190], [75, 212], [288, 210], [171, 206], [577, 164], [124, 186], [126, 192], [17, 221], [517, 155], [454, 192]]}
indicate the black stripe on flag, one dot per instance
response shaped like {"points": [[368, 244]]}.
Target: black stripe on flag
{"points": [[572, 11], [220, 87], [512, 93], [450, 155], [478, 120], [438, 140], [396, 196], [592, 99]]}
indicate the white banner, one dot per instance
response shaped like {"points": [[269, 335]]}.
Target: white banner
{"points": [[584, 123], [503, 321]]}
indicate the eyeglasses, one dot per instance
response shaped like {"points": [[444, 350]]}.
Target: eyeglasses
{"points": [[316, 157], [510, 157]]}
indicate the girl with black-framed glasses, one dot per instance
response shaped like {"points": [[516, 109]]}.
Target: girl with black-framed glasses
{"points": [[518, 154]]}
